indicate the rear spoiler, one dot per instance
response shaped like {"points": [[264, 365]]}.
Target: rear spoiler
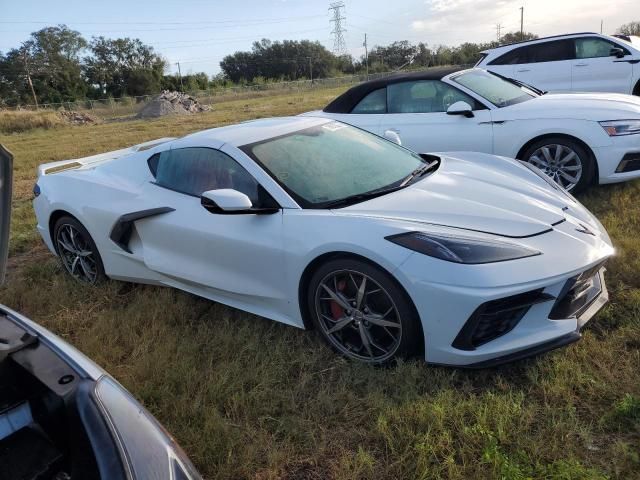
{"points": [[6, 178], [61, 166]]}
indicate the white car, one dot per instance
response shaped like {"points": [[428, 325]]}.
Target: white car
{"points": [[61, 415], [468, 259], [577, 139], [578, 62]]}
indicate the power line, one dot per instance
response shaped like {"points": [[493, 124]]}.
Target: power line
{"points": [[339, 45], [203, 22]]}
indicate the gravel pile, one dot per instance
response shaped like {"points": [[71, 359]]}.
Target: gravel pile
{"points": [[172, 103]]}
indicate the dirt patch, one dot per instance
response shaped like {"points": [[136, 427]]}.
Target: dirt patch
{"points": [[172, 103]]}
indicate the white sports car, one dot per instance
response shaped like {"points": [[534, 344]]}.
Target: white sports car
{"points": [[576, 139], [469, 259]]}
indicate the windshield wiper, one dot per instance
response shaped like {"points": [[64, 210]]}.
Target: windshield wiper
{"points": [[418, 172], [360, 197]]}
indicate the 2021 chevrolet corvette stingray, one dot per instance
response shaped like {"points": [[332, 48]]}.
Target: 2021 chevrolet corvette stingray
{"points": [[467, 258]]}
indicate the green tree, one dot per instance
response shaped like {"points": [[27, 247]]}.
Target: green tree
{"points": [[514, 37], [51, 58], [289, 59], [123, 66]]}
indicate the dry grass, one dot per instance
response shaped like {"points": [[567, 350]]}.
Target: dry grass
{"points": [[22, 121], [249, 398]]}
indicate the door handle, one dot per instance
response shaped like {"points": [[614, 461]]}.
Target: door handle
{"points": [[522, 70], [393, 135], [581, 65]]}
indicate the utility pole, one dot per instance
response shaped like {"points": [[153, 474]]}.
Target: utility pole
{"points": [[339, 45], [180, 76], [366, 55], [601, 22], [498, 28], [522, 23], [26, 69], [310, 69]]}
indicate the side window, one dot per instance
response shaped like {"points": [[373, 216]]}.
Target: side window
{"points": [[195, 170], [555, 51], [424, 96], [593, 47], [513, 57], [374, 102]]}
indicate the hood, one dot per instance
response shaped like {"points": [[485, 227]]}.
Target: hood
{"points": [[582, 106], [475, 191]]}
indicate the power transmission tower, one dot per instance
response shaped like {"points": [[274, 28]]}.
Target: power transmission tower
{"points": [[498, 28], [339, 45]]}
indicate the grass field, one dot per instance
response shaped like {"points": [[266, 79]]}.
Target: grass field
{"points": [[249, 398]]}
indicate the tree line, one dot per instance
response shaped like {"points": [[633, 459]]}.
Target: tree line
{"points": [[57, 64]]}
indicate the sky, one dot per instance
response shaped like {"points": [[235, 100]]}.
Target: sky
{"points": [[199, 33]]}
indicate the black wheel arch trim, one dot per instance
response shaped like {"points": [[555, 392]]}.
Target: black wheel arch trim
{"points": [[123, 227]]}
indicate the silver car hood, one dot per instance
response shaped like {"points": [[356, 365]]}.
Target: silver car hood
{"points": [[479, 192]]}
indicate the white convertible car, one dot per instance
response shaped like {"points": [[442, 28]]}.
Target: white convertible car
{"points": [[468, 259], [577, 139]]}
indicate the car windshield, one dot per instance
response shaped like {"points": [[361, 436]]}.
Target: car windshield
{"points": [[493, 88], [333, 164]]}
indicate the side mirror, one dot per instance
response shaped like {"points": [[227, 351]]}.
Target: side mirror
{"points": [[225, 200], [460, 108], [232, 202], [616, 52]]}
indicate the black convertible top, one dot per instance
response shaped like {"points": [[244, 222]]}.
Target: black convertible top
{"points": [[349, 99]]}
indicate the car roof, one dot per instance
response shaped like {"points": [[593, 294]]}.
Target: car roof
{"points": [[507, 46], [255, 130], [349, 99]]}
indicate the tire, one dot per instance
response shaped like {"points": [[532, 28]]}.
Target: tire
{"points": [[580, 165], [383, 315], [77, 251], [636, 89]]}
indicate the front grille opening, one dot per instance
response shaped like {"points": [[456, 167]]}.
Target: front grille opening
{"points": [[629, 163], [496, 318], [577, 294]]}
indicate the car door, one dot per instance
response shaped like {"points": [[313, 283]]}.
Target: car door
{"points": [[417, 114], [595, 69], [546, 65], [6, 173], [235, 256]]}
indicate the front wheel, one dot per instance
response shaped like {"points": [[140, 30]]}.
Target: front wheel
{"points": [[564, 160], [77, 251], [362, 312]]}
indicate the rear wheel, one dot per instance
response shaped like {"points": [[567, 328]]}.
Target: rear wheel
{"points": [[362, 312], [564, 160], [77, 251]]}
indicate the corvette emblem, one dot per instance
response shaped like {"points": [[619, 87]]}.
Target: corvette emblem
{"points": [[584, 229]]}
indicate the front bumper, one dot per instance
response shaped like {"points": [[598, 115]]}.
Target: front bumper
{"points": [[593, 307], [610, 158]]}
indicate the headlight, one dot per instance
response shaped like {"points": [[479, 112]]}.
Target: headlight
{"points": [[149, 450], [617, 128], [461, 249]]}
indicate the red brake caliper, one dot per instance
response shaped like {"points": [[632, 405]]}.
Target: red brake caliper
{"points": [[336, 310]]}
